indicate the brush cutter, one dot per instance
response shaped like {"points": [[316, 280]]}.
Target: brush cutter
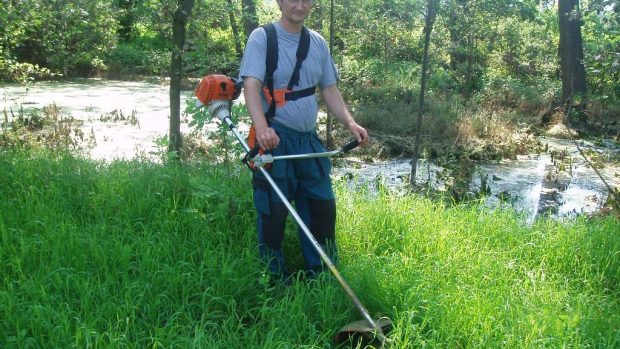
{"points": [[217, 92]]}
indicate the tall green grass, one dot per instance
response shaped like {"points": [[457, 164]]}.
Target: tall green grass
{"points": [[141, 255], [466, 278]]}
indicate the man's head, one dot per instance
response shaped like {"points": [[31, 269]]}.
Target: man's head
{"points": [[295, 11]]}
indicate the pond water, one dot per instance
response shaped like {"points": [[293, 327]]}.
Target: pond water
{"points": [[534, 185], [144, 106], [126, 119]]}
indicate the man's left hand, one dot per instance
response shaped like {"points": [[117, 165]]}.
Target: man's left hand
{"points": [[359, 133]]}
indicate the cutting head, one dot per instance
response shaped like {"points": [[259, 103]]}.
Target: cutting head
{"points": [[359, 332]]}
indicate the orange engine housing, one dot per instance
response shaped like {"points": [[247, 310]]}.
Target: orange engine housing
{"points": [[216, 87]]}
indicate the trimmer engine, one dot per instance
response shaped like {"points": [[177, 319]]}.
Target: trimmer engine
{"points": [[216, 92]]}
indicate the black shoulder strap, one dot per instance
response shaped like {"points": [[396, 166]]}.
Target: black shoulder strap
{"points": [[302, 53], [271, 63]]}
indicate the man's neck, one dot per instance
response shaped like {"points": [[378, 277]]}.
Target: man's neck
{"points": [[291, 27]]}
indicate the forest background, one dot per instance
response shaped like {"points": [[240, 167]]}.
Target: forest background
{"points": [[495, 67]]}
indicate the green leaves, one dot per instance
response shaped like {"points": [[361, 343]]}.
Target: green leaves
{"points": [[601, 34], [67, 37], [199, 115]]}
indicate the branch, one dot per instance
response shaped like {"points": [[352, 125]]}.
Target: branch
{"points": [[611, 190]]}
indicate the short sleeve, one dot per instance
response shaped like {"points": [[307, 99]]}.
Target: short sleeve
{"points": [[254, 56]]}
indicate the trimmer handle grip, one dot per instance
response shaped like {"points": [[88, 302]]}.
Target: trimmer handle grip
{"points": [[253, 152], [247, 159], [350, 146]]}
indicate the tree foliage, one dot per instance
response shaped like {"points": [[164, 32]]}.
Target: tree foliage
{"points": [[486, 47], [601, 32], [68, 37]]}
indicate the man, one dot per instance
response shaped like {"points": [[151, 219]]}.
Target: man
{"points": [[292, 130]]}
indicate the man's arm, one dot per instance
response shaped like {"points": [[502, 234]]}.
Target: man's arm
{"points": [[332, 97], [265, 135]]}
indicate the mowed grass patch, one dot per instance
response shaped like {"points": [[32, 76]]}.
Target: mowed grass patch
{"points": [[134, 254]]}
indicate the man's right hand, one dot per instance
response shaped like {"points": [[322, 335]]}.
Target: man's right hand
{"points": [[267, 138], [265, 135]]}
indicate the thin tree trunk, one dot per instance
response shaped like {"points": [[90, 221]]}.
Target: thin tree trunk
{"points": [[571, 49], [385, 49], [179, 22], [431, 11], [235, 29], [461, 45], [469, 78], [250, 19], [456, 57], [317, 15], [385, 37], [329, 139], [126, 19]]}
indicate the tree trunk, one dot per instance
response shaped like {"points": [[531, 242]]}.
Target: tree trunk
{"points": [[469, 74], [571, 49], [329, 139], [317, 16], [456, 56], [126, 19], [431, 11], [386, 37], [461, 50], [179, 22], [235, 29], [250, 19]]}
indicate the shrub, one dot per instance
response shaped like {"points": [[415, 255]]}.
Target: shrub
{"points": [[11, 70], [510, 92], [145, 55]]}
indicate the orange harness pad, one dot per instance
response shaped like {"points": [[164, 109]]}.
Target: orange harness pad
{"points": [[278, 94]]}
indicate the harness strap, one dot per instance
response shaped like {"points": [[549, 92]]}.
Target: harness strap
{"points": [[271, 65], [279, 97], [295, 95], [302, 53]]}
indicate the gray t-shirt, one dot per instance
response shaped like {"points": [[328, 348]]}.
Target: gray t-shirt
{"points": [[317, 69]]}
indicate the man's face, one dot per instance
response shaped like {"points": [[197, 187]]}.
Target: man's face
{"points": [[295, 11]]}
